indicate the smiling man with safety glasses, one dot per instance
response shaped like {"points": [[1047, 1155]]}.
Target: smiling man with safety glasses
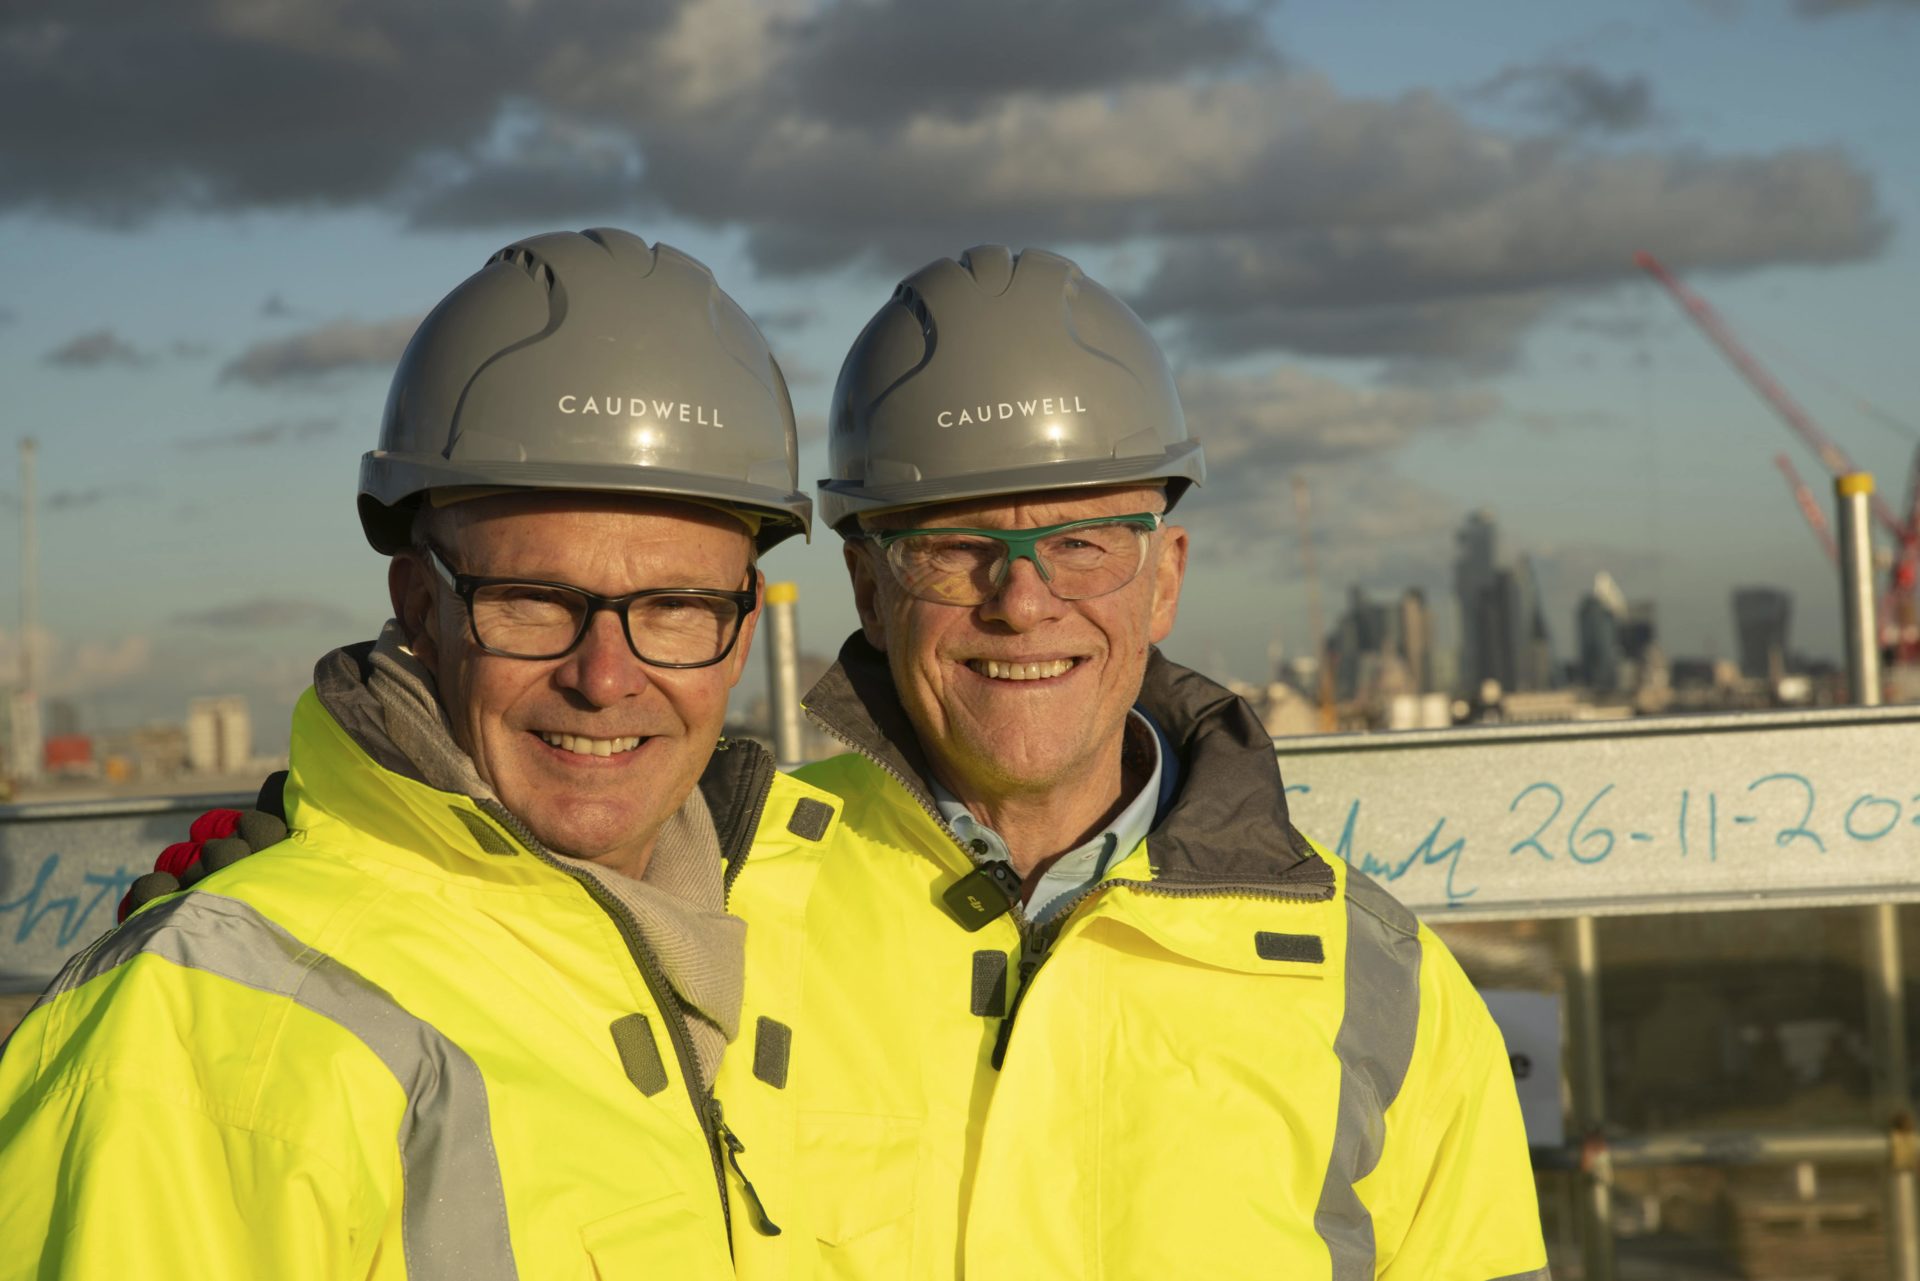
{"points": [[1108, 992]]}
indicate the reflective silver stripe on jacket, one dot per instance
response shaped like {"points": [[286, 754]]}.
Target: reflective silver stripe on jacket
{"points": [[1374, 1047], [454, 1212]]}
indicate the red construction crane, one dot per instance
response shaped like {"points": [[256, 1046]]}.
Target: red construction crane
{"points": [[1899, 619], [1816, 516]]}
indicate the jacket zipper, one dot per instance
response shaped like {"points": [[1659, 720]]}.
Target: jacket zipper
{"points": [[662, 992], [1036, 940], [736, 861], [1014, 904], [762, 1223]]}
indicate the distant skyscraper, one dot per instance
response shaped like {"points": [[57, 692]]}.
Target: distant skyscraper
{"points": [[1474, 571], [1760, 618], [1639, 633], [1498, 627], [1602, 617], [1364, 632], [1530, 646], [1416, 639]]}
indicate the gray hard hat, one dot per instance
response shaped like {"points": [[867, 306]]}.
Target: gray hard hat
{"points": [[588, 361], [997, 374]]}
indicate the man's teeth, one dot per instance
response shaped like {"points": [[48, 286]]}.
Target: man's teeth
{"points": [[580, 745], [1021, 671]]}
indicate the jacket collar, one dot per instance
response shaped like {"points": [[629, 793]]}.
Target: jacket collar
{"points": [[1226, 825], [735, 782]]}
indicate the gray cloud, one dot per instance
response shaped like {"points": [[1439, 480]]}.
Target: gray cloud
{"points": [[93, 349], [895, 59], [71, 500], [276, 308], [341, 347], [538, 169], [1282, 214], [1256, 425], [1827, 8], [1575, 96], [1371, 526], [211, 104], [277, 432], [786, 317], [262, 612], [1465, 284]]}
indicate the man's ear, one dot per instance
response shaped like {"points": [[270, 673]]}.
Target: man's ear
{"points": [[866, 591], [1169, 572], [411, 593]]}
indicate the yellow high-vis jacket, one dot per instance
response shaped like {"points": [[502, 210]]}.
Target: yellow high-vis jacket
{"points": [[405, 1043], [1233, 1058]]}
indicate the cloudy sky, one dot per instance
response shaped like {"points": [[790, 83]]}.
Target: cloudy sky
{"points": [[1388, 245]]}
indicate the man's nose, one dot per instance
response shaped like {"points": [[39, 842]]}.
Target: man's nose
{"points": [[1024, 600], [602, 667]]}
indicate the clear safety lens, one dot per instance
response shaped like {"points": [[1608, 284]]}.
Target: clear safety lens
{"points": [[966, 567]]}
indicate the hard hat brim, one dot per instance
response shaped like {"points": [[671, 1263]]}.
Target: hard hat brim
{"points": [[392, 484], [1181, 464]]}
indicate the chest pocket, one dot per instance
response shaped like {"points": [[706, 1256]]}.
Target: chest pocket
{"points": [[664, 1237], [862, 1173]]}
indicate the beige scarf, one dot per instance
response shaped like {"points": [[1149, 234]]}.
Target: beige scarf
{"points": [[678, 906]]}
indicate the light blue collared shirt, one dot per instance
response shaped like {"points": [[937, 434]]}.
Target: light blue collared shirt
{"points": [[1078, 868]]}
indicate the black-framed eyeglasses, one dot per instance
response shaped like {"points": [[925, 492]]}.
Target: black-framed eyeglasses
{"points": [[1079, 560], [534, 619]]}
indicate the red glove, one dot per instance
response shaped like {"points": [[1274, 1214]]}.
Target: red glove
{"points": [[216, 838]]}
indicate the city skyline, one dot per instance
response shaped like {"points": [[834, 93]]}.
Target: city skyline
{"points": [[1391, 255]]}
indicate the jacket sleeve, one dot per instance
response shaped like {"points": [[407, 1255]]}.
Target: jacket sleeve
{"points": [[116, 1164], [1455, 1181]]}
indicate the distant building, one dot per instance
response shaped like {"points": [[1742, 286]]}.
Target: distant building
{"points": [[1503, 629], [59, 718], [69, 754], [24, 736], [1531, 647], [219, 735], [157, 751], [1601, 620], [1474, 568], [1416, 639], [1760, 618], [1364, 636], [1639, 633]]}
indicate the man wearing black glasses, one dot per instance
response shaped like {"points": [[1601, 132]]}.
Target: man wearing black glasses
{"points": [[466, 1022]]}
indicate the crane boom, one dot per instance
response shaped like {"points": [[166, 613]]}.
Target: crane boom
{"points": [[1816, 519], [1832, 457]]}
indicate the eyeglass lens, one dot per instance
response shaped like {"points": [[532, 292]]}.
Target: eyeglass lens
{"points": [[966, 569], [525, 620]]}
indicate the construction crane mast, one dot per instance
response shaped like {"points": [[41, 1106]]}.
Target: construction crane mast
{"points": [[1899, 618]]}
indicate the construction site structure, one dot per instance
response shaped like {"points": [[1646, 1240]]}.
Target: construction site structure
{"points": [[1899, 613]]}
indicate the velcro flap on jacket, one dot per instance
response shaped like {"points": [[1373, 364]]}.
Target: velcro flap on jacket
{"points": [[639, 1053]]}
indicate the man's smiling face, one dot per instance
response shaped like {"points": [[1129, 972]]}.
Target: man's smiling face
{"points": [[593, 751], [1025, 692]]}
